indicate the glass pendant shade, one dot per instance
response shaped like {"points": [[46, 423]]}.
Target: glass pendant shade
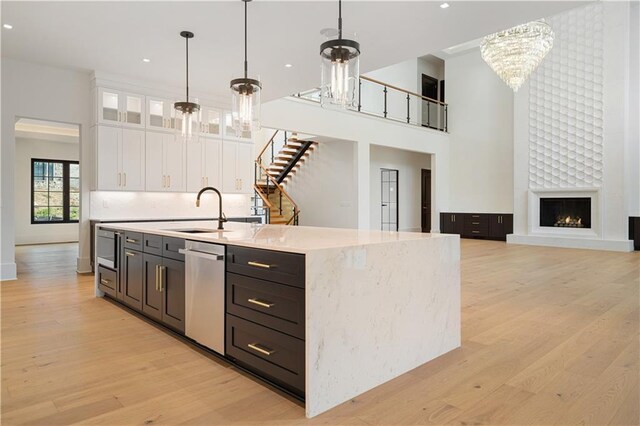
{"points": [[340, 73], [515, 53], [187, 121], [245, 105]]}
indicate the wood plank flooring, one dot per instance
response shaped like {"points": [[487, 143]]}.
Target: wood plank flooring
{"points": [[550, 336]]}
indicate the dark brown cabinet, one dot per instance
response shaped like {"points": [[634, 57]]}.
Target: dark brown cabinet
{"points": [[265, 312], [500, 225], [164, 291], [494, 226], [132, 278], [451, 223]]}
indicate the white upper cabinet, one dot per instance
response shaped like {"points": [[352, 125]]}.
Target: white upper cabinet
{"points": [[210, 121], [120, 159], [121, 108], [165, 163], [237, 167], [204, 164], [229, 132], [160, 114]]}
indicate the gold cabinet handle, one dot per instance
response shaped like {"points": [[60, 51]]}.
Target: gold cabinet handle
{"points": [[157, 278], [164, 181], [475, 232], [119, 179], [475, 223], [131, 240], [128, 253], [161, 279], [124, 178], [262, 349], [169, 181], [262, 303], [103, 281], [259, 265]]}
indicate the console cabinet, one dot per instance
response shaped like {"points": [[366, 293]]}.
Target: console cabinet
{"points": [[492, 226]]}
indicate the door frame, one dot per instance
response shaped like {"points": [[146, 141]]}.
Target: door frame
{"points": [[397, 172], [429, 222]]}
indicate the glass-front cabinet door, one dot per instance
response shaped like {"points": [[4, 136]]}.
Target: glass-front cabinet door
{"points": [[119, 108], [229, 132], [210, 121], [133, 110], [109, 106], [160, 114]]}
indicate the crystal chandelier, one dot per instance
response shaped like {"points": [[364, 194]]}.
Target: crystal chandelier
{"points": [[515, 53]]}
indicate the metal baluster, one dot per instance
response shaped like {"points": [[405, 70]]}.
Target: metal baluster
{"points": [[385, 101], [408, 108], [446, 117], [359, 94], [429, 113]]}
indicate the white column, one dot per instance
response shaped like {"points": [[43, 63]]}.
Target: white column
{"points": [[363, 164]]}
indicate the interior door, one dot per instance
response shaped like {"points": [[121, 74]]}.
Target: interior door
{"points": [[389, 199], [426, 200]]}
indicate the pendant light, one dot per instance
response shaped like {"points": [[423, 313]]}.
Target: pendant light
{"points": [[245, 95], [186, 113], [340, 70]]}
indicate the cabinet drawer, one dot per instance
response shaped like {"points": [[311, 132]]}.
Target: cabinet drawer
{"points": [[152, 244], [108, 281], [276, 306], [269, 353], [170, 247], [133, 240], [285, 268], [471, 219]]}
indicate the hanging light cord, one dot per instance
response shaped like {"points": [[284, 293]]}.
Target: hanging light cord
{"points": [[339, 19], [187, 40], [246, 66]]}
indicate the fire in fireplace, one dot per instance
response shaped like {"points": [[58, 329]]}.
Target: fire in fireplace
{"points": [[565, 212]]}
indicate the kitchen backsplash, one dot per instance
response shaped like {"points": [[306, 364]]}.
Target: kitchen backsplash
{"points": [[158, 205]]}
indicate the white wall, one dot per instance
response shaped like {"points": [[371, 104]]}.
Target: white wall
{"points": [[481, 128], [366, 131], [26, 233], [403, 75], [409, 165], [42, 92], [633, 154], [325, 187], [157, 205]]}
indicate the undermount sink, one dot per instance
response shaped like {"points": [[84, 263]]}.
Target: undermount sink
{"points": [[198, 231]]}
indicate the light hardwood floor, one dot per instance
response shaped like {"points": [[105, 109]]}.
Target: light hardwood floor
{"points": [[550, 336]]}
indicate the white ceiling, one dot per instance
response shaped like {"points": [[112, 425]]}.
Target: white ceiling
{"points": [[114, 36]]}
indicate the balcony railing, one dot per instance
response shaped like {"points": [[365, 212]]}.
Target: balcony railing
{"points": [[394, 103]]}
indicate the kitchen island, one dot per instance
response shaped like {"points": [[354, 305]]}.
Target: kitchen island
{"points": [[373, 304]]}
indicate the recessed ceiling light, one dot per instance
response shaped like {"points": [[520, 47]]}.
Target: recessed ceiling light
{"points": [[7, 26], [146, 60], [444, 5], [288, 65]]}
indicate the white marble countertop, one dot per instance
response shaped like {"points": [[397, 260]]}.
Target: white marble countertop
{"points": [[297, 239], [165, 219]]}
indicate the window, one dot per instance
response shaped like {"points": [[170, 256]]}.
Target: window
{"points": [[55, 191]]}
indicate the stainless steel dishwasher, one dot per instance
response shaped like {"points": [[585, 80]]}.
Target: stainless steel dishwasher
{"points": [[204, 286]]}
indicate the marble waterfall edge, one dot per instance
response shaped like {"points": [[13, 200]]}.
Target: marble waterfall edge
{"points": [[374, 312]]}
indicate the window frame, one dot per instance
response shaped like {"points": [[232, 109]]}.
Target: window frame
{"points": [[66, 191]]}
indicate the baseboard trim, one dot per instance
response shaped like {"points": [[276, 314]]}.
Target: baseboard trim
{"points": [[575, 243], [83, 265], [8, 271]]}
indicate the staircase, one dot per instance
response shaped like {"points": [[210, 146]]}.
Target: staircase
{"points": [[276, 165]]}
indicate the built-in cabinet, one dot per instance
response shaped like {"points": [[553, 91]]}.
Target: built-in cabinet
{"points": [[120, 159], [121, 108], [150, 279], [237, 167], [204, 158], [138, 148], [493, 226], [165, 162]]}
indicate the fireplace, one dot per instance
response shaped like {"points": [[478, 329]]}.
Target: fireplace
{"points": [[574, 212]]}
